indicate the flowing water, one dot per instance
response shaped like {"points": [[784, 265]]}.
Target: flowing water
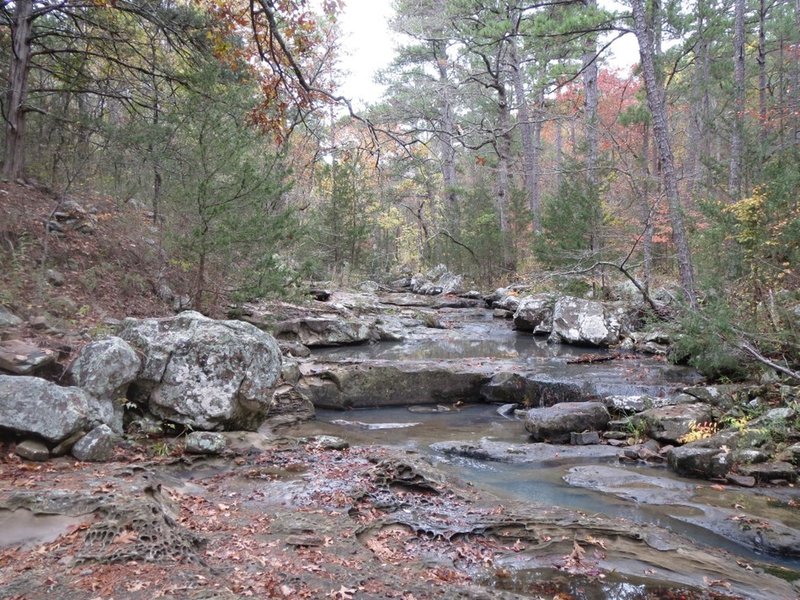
{"points": [[475, 338]]}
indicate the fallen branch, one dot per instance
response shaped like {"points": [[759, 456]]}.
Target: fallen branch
{"points": [[593, 358], [765, 361]]}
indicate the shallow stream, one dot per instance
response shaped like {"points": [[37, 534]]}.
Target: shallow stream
{"points": [[474, 337]]}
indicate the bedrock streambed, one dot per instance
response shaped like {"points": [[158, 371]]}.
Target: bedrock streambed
{"points": [[456, 438], [542, 481]]}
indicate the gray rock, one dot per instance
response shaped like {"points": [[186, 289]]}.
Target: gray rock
{"points": [[105, 369], [793, 454], [578, 321], [509, 302], [749, 456], [325, 331], [585, 438], [670, 423], [66, 445], [329, 442], [290, 370], [295, 349], [23, 358], [770, 471], [63, 306], [526, 453], [96, 446], [32, 450], [713, 395], [438, 280], [501, 313], [390, 329], [40, 322], [556, 423], [205, 374], [706, 463], [55, 278], [8, 319], [532, 390], [205, 442], [290, 405], [388, 384], [34, 406], [741, 480], [535, 314], [628, 404]]}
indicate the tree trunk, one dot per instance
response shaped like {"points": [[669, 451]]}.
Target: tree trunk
{"points": [[589, 65], [449, 175], [795, 100], [737, 133], [529, 154], [647, 213], [699, 148], [661, 135], [762, 77], [503, 148], [14, 157]]}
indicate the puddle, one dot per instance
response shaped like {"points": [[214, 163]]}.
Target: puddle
{"points": [[26, 529], [551, 583]]}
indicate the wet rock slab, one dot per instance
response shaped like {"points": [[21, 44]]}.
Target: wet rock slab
{"points": [[486, 449], [742, 516]]}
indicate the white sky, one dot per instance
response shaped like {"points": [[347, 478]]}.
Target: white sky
{"points": [[368, 46]]}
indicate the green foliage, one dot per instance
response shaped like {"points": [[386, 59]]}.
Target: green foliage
{"points": [[570, 220], [224, 193], [343, 222], [704, 342]]}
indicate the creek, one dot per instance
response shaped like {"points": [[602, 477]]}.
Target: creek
{"points": [[696, 509]]}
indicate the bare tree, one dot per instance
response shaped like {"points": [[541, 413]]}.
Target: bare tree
{"points": [[658, 110]]}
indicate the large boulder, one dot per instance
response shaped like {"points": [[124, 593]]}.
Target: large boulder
{"points": [[29, 405], [669, 424], [104, 369], [326, 331], [585, 322], [388, 384], [535, 314], [203, 373], [532, 390], [695, 461], [556, 423], [439, 280]]}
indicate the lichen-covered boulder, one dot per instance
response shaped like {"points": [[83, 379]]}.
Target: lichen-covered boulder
{"points": [[326, 331], [30, 405], [556, 423], [584, 322], [669, 424], [205, 442], [96, 446], [104, 369], [535, 314], [205, 374], [532, 389]]}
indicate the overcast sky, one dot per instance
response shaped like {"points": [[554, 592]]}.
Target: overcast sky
{"points": [[369, 46]]}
